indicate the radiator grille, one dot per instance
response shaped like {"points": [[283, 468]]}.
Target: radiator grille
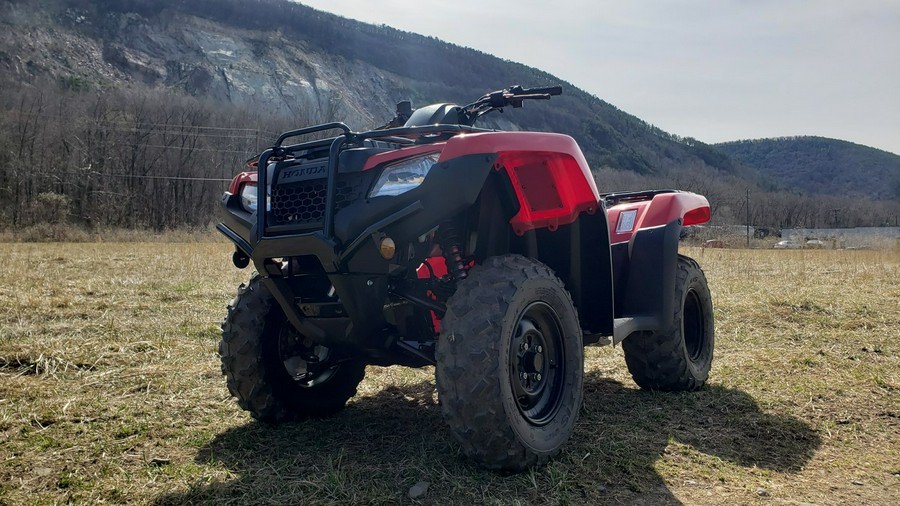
{"points": [[303, 203]]}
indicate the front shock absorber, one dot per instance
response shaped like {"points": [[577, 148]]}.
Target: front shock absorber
{"points": [[450, 238]]}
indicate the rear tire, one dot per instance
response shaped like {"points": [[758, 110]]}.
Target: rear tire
{"points": [[274, 372], [510, 364], [679, 358]]}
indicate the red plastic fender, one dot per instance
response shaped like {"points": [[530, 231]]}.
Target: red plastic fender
{"points": [[627, 218], [548, 172]]}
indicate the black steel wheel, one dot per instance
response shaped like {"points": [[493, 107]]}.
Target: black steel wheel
{"points": [[537, 364], [274, 372], [510, 364], [680, 357]]}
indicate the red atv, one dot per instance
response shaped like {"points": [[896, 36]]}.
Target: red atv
{"points": [[489, 255]]}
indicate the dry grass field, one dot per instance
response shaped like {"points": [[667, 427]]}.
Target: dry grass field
{"points": [[110, 392]]}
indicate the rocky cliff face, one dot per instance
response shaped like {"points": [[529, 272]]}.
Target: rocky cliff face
{"points": [[196, 55]]}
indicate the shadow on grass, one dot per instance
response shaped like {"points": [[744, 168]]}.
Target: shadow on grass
{"points": [[376, 449]]}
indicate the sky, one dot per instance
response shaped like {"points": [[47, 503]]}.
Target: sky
{"points": [[715, 70]]}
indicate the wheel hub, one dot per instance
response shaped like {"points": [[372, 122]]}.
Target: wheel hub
{"points": [[305, 362], [533, 362]]}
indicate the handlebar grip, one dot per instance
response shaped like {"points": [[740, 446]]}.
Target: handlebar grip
{"points": [[552, 90]]}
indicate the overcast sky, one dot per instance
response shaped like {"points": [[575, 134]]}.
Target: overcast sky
{"points": [[716, 70]]}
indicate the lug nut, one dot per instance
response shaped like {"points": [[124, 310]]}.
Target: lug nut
{"points": [[538, 376], [540, 349]]}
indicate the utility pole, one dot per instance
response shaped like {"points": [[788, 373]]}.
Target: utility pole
{"points": [[748, 217], [257, 135]]}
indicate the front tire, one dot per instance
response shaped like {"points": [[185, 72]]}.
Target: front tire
{"points": [[678, 358], [510, 364], [274, 372]]}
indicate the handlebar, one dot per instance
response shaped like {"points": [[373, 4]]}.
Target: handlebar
{"points": [[513, 96]]}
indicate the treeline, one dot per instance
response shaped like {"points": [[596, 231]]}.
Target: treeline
{"points": [[160, 160], [132, 159], [730, 196]]}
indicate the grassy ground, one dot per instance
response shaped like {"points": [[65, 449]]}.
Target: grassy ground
{"points": [[110, 392]]}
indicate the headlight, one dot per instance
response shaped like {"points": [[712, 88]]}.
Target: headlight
{"points": [[403, 176], [248, 197]]}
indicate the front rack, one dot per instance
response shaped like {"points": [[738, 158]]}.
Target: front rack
{"points": [[401, 135]]}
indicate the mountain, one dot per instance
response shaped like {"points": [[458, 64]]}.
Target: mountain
{"points": [[821, 165], [307, 64]]}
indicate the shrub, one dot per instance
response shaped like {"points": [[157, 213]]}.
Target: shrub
{"points": [[49, 208]]}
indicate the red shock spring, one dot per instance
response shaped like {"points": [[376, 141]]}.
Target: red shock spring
{"points": [[450, 239]]}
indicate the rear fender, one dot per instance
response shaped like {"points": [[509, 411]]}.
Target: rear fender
{"points": [[644, 236], [628, 218]]}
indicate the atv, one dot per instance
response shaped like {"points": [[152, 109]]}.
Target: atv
{"points": [[489, 255]]}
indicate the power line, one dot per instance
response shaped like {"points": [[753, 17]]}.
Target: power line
{"points": [[176, 133], [248, 132], [94, 173], [183, 148], [174, 178], [132, 123]]}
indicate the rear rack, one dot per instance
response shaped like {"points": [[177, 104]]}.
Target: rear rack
{"points": [[612, 199]]}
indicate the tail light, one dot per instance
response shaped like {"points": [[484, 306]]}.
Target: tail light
{"points": [[696, 216]]}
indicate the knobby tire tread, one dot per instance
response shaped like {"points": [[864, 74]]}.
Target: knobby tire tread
{"points": [[658, 360], [252, 378], [468, 377]]}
